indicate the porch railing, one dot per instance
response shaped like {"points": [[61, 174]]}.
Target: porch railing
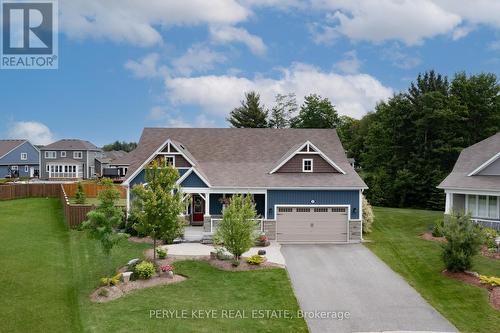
{"points": [[487, 223], [215, 221]]}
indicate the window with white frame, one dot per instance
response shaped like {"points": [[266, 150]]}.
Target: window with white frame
{"points": [[307, 165], [26, 168], [24, 156], [50, 154], [63, 153], [14, 168], [78, 155], [483, 206], [170, 160]]}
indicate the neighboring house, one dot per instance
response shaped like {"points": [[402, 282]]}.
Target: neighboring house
{"points": [[68, 159], [302, 184], [473, 186], [18, 158], [112, 164]]}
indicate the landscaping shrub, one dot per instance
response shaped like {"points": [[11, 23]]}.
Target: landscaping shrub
{"points": [[162, 253], [111, 281], [464, 240], [489, 236], [491, 280], [80, 197], [438, 228], [368, 216], [145, 270], [255, 260], [235, 262]]}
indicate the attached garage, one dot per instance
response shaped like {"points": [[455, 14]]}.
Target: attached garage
{"points": [[312, 224]]}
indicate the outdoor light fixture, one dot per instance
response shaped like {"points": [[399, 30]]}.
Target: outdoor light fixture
{"points": [[313, 201], [497, 240]]}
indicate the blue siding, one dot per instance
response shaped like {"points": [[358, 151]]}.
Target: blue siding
{"points": [[193, 181], [320, 197], [141, 177], [14, 158]]}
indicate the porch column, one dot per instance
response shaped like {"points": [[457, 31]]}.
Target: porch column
{"points": [[448, 203], [207, 204]]}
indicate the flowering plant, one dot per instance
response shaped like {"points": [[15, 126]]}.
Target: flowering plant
{"points": [[263, 238], [167, 268]]}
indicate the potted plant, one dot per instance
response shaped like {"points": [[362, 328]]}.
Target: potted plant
{"points": [[168, 270], [262, 240]]}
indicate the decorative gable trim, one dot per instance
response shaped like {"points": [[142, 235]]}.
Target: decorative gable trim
{"points": [[19, 145], [307, 148], [484, 165], [167, 145]]}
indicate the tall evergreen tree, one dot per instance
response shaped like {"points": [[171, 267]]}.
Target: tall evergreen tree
{"points": [[251, 113], [316, 112], [283, 110]]}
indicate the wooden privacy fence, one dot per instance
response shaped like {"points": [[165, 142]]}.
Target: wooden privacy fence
{"points": [[91, 189], [19, 191], [74, 214]]}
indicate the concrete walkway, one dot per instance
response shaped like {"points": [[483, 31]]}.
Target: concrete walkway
{"points": [[349, 278], [273, 253]]}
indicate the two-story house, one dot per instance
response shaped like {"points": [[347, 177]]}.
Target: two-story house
{"points": [[68, 159], [18, 158]]}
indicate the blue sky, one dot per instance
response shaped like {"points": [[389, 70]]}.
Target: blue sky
{"points": [[124, 65]]}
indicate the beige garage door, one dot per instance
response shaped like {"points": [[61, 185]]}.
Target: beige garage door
{"points": [[311, 224]]}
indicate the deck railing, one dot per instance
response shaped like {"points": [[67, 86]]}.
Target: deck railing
{"points": [[487, 223]]}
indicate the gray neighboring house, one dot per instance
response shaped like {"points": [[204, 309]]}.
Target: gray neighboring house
{"points": [[473, 186], [18, 158], [303, 187], [68, 159], [112, 164]]}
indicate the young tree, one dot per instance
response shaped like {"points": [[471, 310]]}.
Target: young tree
{"points": [[368, 216], [101, 222], [80, 194], [237, 228], [251, 114], [157, 206], [282, 111], [464, 239], [316, 112]]}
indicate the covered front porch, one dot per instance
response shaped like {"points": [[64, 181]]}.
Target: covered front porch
{"points": [[204, 207], [483, 207]]}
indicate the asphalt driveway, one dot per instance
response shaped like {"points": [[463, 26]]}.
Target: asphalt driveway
{"points": [[337, 279]]}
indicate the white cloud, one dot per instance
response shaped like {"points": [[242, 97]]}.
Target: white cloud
{"points": [[400, 58], [229, 34], [37, 133], [495, 45], [146, 67], [353, 95], [197, 58], [378, 21], [136, 22], [350, 64]]}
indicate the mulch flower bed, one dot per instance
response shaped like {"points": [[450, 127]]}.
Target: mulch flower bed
{"points": [[226, 265], [147, 240], [492, 255], [473, 278], [122, 289], [428, 236]]}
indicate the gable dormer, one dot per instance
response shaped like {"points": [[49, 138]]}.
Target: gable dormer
{"points": [[171, 154], [307, 158]]}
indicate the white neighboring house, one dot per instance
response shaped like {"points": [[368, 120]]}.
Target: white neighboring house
{"points": [[473, 186]]}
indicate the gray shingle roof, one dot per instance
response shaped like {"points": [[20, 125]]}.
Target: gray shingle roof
{"points": [[115, 157], [71, 144], [470, 159], [7, 145], [231, 157]]}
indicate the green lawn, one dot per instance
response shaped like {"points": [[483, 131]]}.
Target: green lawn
{"points": [[47, 273], [396, 241]]}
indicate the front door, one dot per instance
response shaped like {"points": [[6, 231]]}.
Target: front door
{"points": [[198, 208]]}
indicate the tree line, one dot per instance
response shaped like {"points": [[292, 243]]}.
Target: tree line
{"points": [[408, 144]]}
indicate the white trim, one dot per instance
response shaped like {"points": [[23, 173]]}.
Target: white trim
{"points": [[485, 164], [348, 238], [26, 168], [45, 154], [304, 160], [190, 171], [80, 154], [360, 213], [152, 156], [469, 191], [308, 144], [25, 156], [63, 153]]}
